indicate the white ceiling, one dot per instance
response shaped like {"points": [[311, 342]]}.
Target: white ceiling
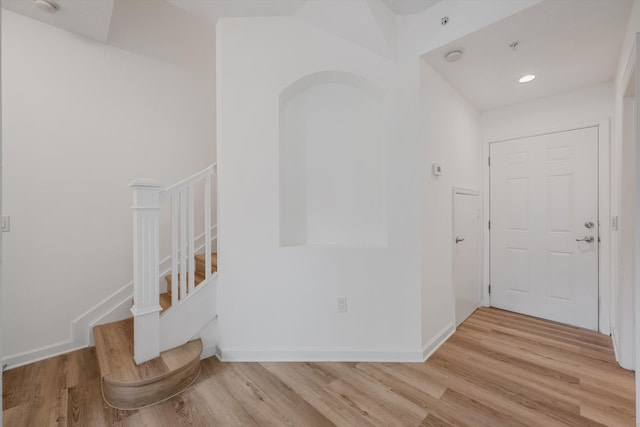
{"points": [[215, 9], [409, 7], [90, 18], [567, 44]]}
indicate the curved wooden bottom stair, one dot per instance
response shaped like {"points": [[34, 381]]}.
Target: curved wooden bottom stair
{"points": [[126, 385]]}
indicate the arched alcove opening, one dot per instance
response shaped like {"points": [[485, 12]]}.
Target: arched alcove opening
{"points": [[333, 154]]}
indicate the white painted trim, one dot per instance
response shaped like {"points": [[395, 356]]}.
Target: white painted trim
{"points": [[336, 354], [41, 353], [320, 355], [548, 131], [81, 334], [636, 305], [629, 69], [615, 346], [468, 191], [185, 183], [486, 235], [440, 338], [147, 310], [208, 351], [604, 182], [604, 217]]}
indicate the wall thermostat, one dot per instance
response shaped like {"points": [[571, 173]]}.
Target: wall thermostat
{"points": [[436, 169]]}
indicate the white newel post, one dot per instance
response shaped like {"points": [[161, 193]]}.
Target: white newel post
{"points": [[146, 293]]}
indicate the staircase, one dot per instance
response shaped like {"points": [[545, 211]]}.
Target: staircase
{"points": [[156, 354], [199, 276]]}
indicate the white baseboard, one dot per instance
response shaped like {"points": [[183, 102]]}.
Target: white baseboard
{"points": [[319, 355], [434, 343], [336, 355], [208, 351], [615, 346], [80, 330], [112, 308]]}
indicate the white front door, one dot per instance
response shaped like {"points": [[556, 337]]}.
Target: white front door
{"points": [[466, 265], [544, 226]]}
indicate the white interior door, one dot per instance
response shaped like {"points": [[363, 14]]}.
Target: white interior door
{"points": [[466, 265], [544, 226]]}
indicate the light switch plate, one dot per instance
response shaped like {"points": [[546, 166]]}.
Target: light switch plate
{"points": [[342, 304]]}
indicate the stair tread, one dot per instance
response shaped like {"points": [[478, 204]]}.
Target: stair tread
{"points": [[165, 301], [199, 277], [126, 385], [214, 259], [200, 270], [114, 347]]}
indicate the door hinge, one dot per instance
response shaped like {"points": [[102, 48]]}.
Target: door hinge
{"points": [[489, 288], [488, 161], [489, 224]]}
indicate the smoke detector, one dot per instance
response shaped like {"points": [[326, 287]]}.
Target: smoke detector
{"points": [[453, 56], [46, 6]]}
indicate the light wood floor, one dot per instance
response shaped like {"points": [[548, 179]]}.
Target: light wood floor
{"points": [[499, 369]]}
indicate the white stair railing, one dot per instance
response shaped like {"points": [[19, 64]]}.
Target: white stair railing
{"points": [[147, 200], [181, 196]]}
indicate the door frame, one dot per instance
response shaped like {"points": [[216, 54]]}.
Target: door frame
{"points": [[604, 215], [468, 192]]}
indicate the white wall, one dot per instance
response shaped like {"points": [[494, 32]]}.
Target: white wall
{"points": [[589, 106], [623, 198], [280, 302], [81, 121], [451, 138], [1, 235], [625, 250]]}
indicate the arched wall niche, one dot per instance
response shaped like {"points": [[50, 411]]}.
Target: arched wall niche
{"points": [[333, 153]]}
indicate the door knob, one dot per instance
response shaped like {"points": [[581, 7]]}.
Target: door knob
{"points": [[458, 240], [587, 239]]}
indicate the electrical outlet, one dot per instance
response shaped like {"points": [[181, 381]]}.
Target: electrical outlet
{"points": [[6, 223], [342, 304]]}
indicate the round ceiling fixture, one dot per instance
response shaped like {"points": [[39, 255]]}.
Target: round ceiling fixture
{"points": [[453, 56], [46, 6], [527, 78]]}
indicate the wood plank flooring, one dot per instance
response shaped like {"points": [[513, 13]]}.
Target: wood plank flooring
{"points": [[498, 369]]}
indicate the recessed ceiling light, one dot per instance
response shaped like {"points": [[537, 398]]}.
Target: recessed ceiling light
{"points": [[46, 6], [527, 78], [453, 56]]}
